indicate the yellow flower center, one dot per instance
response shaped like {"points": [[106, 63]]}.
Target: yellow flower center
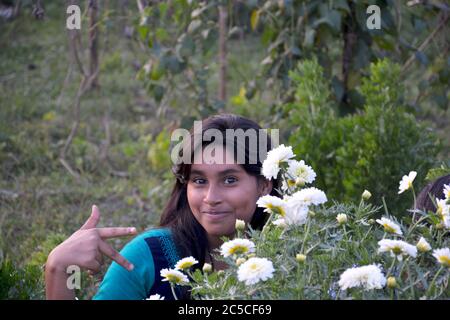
{"points": [[238, 249], [186, 265], [397, 250], [444, 260], [388, 228], [276, 209], [173, 278]]}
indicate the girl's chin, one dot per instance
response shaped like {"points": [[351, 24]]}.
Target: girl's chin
{"points": [[219, 230]]}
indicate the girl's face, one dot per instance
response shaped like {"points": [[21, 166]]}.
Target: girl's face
{"points": [[218, 194]]}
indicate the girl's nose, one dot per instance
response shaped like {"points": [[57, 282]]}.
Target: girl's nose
{"points": [[212, 196]]}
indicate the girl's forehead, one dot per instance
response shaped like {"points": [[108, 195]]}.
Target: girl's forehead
{"points": [[216, 169]]}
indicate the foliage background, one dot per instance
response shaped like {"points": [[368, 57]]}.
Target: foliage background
{"points": [[159, 69]]}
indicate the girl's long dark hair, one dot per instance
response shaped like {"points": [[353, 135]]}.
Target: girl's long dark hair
{"points": [[433, 190], [189, 236]]}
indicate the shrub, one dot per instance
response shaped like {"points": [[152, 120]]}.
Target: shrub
{"points": [[368, 150]]}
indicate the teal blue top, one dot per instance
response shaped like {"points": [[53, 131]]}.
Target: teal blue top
{"points": [[149, 252]]}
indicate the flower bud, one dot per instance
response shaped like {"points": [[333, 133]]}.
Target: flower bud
{"points": [[366, 195], [423, 245], [300, 257], [240, 261], [371, 221], [311, 213], [391, 282], [342, 218], [240, 225], [207, 267]]}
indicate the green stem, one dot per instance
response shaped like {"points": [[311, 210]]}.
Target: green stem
{"points": [[391, 267], [173, 291], [305, 237], [434, 280]]}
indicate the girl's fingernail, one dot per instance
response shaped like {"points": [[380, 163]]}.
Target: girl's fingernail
{"points": [[132, 230], [130, 267]]}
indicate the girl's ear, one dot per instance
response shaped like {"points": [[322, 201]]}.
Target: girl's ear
{"points": [[265, 187]]}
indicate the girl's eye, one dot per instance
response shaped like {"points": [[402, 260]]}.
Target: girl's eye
{"points": [[230, 180], [198, 180]]}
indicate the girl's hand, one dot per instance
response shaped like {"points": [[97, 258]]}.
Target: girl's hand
{"points": [[86, 247]]}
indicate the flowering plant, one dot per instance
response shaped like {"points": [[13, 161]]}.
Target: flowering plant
{"points": [[307, 250]]}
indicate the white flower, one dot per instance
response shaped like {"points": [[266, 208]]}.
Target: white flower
{"points": [[390, 226], [368, 277], [254, 270], [341, 218], [423, 245], [272, 204], [443, 211], [271, 166], [446, 191], [237, 246], [308, 196], [300, 172], [406, 182], [296, 214], [442, 256], [174, 276], [397, 248], [155, 297], [185, 263]]}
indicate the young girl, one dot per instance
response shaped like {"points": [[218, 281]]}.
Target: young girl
{"points": [[205, 202]]}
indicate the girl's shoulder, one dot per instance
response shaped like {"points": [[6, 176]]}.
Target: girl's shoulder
{"points": [[153, 232], [159, 242]]}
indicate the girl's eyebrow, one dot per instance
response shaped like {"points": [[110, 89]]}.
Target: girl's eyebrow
{"points": [[224, 172]]}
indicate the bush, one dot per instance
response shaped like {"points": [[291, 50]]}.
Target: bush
{"points": [[368, 150]]}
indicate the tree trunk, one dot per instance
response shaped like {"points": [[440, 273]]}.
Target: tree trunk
{"points": [[350, 38], [223, 53], [93, 43]]}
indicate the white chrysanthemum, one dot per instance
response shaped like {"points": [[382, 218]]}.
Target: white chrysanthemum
{"points": [[368, 277], [185, 263], [155, 297], [300, 172], [296, 214], [237, 246], [307, 196], [446, 191], [272, 204], [442, 256], [390, 226], [407, 181], [423, 245], [443, 211], [254, 270], [397, 248], [271, 166], [174, 276]]}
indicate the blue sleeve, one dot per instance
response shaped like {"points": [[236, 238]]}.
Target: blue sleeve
{"points": [[121, 284]]}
